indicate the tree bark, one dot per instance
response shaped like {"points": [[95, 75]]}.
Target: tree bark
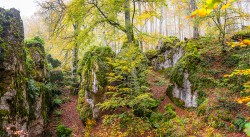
{"points": [[140, 27], [75, 53], [196, 25], [128, 24]]}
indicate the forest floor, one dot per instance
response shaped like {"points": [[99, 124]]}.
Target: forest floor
{"points": [[69, 115]]}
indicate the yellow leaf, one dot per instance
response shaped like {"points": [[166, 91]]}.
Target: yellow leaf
{"points": [[225, 6], [246, 41], [209, 2], [202, 12]]}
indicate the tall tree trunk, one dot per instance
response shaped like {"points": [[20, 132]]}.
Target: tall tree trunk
{"points": [[179, 27], [166, 22], [195, 25], [140, 27], [75, 54], [160, 28], [128, 24]]}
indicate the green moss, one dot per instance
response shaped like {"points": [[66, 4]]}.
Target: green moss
{"points": [[150, 54], [34, 91], [243, 34], [44, 104], [17, 106], [189, 63], [83, 107], [203, 108], [1, 29], [172, 39], [62, 131], [2, 91], [35, 41], [161, 59], [4, 113], [3, 51], [95, 61]]}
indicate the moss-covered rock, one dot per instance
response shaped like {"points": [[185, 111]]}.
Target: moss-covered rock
{"points": [[94, 69], [167, 55], [150, 54], [244, 34], [23, 75]]}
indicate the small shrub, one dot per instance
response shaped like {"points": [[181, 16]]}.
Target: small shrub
{"points": [[169, 112], [173, 128], [240, 123], [225, 115], [58, 113], [57, 102], [231, 61], [160, 82], [62, 131], [232, 128], [155, 118], [203, 107], [215, 122], [162, 98], [54, 62]]}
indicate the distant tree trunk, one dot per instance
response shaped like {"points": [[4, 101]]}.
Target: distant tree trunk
{"points": [[161, 21], [104, 37], [179, 27], [160, 28], [128, 24], [196, 25], [140, 27], [75, 54], [166, 18]]}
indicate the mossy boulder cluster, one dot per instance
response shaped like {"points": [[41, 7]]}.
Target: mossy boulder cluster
{"points": [[23, 74], [166, 55], [175, 58]]}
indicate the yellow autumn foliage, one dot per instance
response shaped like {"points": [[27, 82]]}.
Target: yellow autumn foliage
{"points": [[241, 43], [210, 5]]}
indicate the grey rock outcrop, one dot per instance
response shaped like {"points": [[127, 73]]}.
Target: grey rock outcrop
{"points": [[168, 56], [17, 111], [185, 93]]}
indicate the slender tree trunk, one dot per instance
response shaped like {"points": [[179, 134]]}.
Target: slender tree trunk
{"points": [[196, 25], [160, 28], [140, 27], [104, 37], [128, 24], [75, 54], [166, 22], [161, 21], [179, 27]]}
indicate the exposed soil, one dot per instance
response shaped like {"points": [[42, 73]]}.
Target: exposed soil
{"points": [[69, 117]]}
